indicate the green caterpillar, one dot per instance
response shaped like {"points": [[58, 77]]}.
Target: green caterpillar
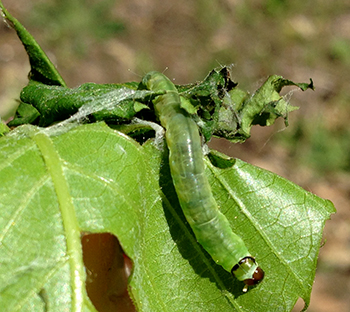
{"points": [[209, 225]]}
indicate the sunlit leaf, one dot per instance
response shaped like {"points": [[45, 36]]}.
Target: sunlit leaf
{"points": [[97, 180]]}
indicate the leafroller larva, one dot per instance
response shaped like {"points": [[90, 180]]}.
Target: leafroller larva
{"points": [[209, 225]]}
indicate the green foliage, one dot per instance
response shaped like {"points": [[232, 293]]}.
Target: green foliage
{"points": [[69, 178], [98, 167], [56, 103], [42, 68]]}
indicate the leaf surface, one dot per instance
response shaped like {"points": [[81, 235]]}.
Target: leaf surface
{"points": [[49, 195], [281, 224], [94, 179]]}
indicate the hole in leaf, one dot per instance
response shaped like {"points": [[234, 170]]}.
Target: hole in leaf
{"points": [[107, 269]]}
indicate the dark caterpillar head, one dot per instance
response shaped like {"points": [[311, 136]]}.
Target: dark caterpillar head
{"points": [[248, 271], [257, 277]]}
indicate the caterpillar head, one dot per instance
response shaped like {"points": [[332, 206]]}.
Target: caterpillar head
{"points": [[248, 271]]}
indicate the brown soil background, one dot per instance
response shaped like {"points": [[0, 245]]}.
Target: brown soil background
{"points": [[295, 39]]}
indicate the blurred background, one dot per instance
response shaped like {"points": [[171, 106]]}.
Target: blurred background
{"points": [[111, 41]]}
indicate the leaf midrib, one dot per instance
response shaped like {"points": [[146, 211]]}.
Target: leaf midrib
{"points": [[69, 219]]}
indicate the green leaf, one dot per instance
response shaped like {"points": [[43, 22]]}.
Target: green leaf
{"points": [[223, 110], [266, 104], [207, 98], [95, 179], [54, 188], [25, 114], [281, 224], [42, 69], [109, 102]]}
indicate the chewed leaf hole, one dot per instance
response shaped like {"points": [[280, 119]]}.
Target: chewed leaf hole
{"points": [[107, 272]]}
